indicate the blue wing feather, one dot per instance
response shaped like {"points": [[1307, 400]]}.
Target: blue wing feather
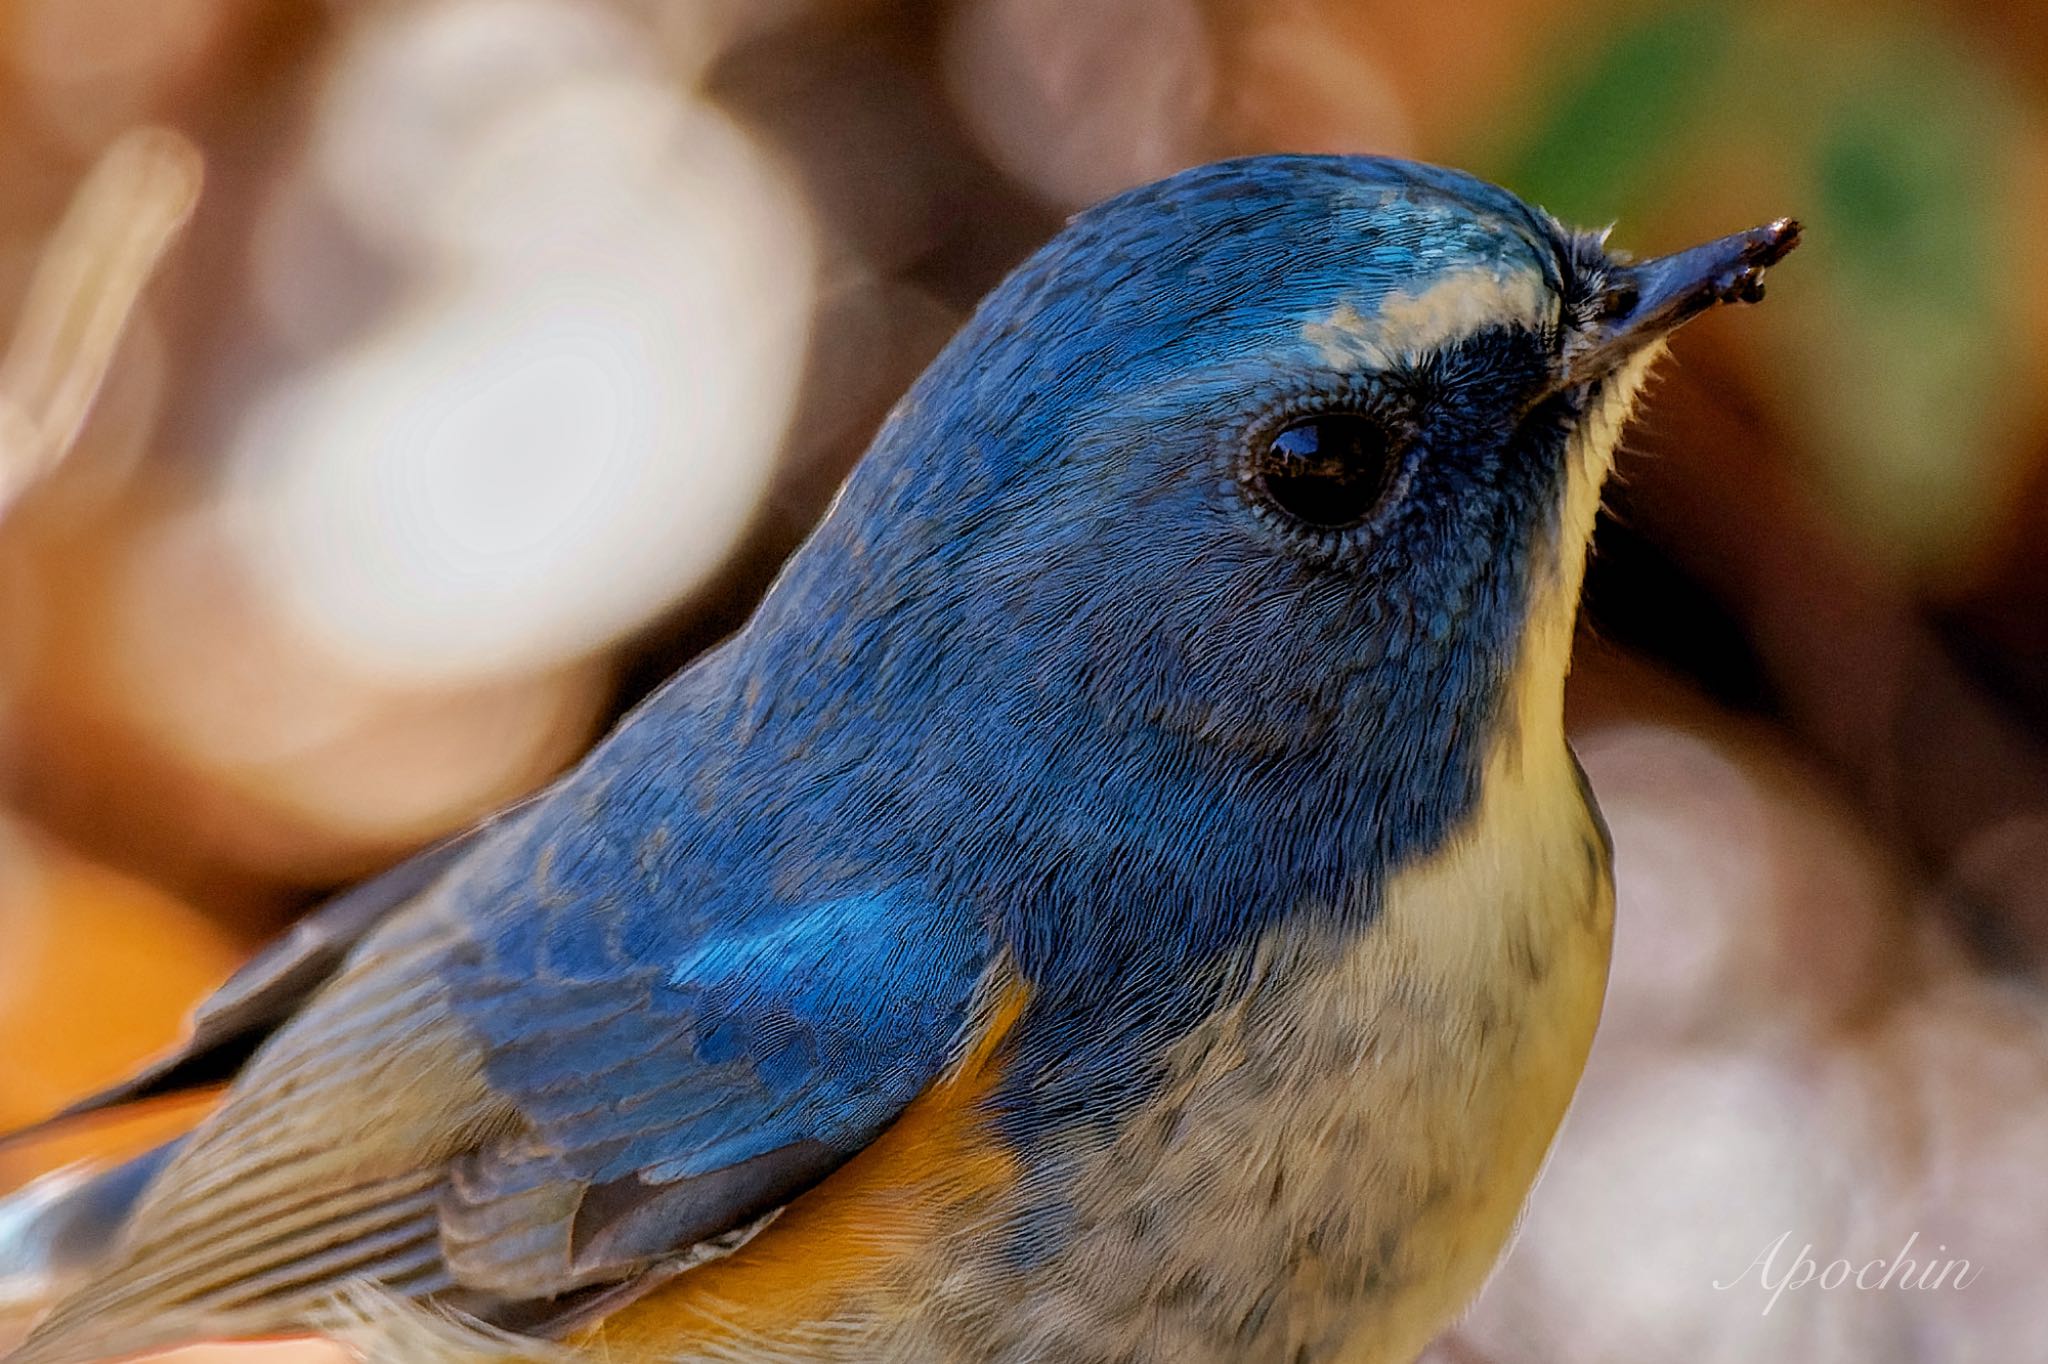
{"points": [[668, 1054]]}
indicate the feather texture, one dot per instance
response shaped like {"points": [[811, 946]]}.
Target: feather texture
{"points": [[933, 970]]}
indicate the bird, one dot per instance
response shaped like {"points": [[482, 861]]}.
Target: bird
{"points": [[1125, 895]]}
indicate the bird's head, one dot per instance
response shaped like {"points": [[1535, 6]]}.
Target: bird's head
{"points": [[1291, 462]]}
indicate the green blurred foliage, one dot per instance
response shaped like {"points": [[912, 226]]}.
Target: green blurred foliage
{"points": [[1906, 349]]}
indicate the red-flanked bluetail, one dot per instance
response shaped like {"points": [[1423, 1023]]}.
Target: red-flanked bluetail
{"points": [[1124, 896]]}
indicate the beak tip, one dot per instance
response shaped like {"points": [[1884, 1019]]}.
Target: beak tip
{"points": [[1765, 247], [1777, 238], [1648, 300]]}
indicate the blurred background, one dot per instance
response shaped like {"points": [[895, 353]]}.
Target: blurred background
{"points": [[510, 344]]}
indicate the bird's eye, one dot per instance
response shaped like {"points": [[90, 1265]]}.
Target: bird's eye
{"points": [[1327, 470]]}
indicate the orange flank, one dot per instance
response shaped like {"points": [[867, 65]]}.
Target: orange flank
{"points": [[832, 1254]]}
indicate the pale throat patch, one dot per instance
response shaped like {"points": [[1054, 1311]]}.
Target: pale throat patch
{"points": [[1407, 328], [1559, 567]]}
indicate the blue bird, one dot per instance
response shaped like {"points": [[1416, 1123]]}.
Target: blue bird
{"points": [[1124, 896]]}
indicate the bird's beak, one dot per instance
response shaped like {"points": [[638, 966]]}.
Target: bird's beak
{"points": [[1648, 300]]}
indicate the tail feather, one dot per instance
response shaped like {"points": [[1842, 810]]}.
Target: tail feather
{"points": [[287, 1282], [57, 1230], [263, 1218]]}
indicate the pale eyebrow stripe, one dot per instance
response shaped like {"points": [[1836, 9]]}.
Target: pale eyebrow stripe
{"points": [[1407, 327]]}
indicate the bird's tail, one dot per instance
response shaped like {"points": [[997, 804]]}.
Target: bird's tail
{"points": [[54, 1231]]}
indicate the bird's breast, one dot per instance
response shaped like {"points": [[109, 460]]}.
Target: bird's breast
{"points": [[1342, 1148]]}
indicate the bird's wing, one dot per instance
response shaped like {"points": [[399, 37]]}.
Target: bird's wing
{"points": [[668, 1096], [517, 1124], [272, 986]]}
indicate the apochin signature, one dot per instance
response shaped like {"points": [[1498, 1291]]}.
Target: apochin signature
{"points": [[1871, 1276]]}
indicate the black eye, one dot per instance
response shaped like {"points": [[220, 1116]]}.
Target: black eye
{"points": [[1326, 470]]}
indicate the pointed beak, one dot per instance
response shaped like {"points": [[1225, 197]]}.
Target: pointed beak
{"points": [[1648, 300]]}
